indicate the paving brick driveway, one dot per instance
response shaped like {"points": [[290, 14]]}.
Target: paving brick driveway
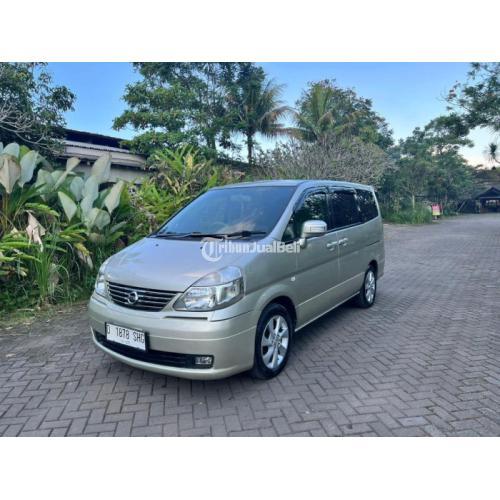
{"points": [[425, 360]]}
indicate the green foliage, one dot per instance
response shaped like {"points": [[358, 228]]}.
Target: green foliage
{"points": [[420, 214], [16, 196], [184, 171], [256, 107], [449, 181], [47, 270], [14, 256], [484, 179], [178, 176], [325, 109], [429, 166], [202, 105], [336, 158], [84, 221], [153, 207], [180, 103], [31, 107], [479, 97], [478, 100]]}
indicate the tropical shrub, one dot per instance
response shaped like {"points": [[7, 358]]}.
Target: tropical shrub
{"points": [[420, 214], [55, 226], [177, 177], [339, 158], [14, 256], [17, 165]]}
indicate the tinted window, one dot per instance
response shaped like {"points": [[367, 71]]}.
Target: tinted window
{"points": [[344, 209], [314, 207], [231, 210], [367, 204]]}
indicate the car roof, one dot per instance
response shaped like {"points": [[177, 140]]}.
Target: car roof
{"points": [[305, 183]]}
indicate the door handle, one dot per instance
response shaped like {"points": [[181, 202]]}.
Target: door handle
{"points": [[343, 241], [331, 245]]}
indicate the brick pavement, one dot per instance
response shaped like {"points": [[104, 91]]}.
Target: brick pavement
{"points": [[424, 361]]}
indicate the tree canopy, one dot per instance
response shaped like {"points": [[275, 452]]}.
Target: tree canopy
{"points": [[479, 97], [429, 164], [201, 104], [31, 107], [335, 157], [478, 100], [180, 103], [325, 108]]}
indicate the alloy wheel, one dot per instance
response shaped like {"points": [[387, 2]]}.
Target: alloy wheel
{"points": [[370, 286], [275, 340]]}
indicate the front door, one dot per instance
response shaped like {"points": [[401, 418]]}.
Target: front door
{"points": [[317, 266]]}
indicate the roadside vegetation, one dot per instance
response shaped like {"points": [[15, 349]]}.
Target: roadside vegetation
{"points": [[192, 121]]}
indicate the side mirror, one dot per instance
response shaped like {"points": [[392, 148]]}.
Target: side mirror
{"points": [[312, 228]]}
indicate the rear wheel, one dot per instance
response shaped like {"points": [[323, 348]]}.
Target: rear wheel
{"points": [[368, 290], [273, 341]]}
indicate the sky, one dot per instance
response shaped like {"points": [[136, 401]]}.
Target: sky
{"points": [[407, 95]]}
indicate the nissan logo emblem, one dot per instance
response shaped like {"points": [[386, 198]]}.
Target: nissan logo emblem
{"points": [[132, 298]]}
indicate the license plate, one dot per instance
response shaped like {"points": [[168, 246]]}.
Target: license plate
{"points": [[126, 336]]}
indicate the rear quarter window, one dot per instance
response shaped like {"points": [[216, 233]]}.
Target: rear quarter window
{"points": [[367, 204]]}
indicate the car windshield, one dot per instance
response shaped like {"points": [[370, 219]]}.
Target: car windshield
{"points": [[240, 211]]}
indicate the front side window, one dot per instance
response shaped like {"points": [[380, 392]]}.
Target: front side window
{"points": [[231, 210], [367, 204], [314, 207], [344, 209]]}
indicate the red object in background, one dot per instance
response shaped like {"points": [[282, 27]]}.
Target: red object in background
{"points": [[436, 210]]}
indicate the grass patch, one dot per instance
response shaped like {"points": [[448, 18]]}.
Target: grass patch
{"points": [[419, 215]]}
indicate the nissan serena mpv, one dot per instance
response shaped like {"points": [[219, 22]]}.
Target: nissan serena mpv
{"points": [[223, 286]]}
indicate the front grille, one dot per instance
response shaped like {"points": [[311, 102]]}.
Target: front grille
{"points": [[175, 359], [147, 298]]}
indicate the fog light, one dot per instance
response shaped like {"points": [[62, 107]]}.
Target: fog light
{"points": [[203, 360]]}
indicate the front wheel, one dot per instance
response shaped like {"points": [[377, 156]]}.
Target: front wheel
{"points": [[273, 341], [368, 290]]}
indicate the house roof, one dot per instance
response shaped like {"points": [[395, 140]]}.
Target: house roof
{"points": [[92, 138], [89, 146], [492, 192]]}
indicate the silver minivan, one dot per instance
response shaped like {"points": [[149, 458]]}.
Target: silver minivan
{"points": [[223, 286]]}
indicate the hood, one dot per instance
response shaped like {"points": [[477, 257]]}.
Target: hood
{"points": [[162, 264]]}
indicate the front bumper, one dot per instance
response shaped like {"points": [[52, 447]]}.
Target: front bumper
{"points": [[230, 341]]}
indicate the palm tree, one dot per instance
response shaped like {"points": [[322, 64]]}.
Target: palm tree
{"points": [[326, 109], [258, 108], [315, 119], [492, 153]]}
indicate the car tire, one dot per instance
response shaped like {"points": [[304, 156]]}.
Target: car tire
{"points": [[368, 291], [273, 342]]}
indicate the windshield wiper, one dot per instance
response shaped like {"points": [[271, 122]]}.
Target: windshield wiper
{"points": [[198, 234], [244, 234], [168, 234]]}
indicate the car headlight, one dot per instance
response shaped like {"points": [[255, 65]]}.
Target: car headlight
{"points": [[100, 287], [214, 291]]}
